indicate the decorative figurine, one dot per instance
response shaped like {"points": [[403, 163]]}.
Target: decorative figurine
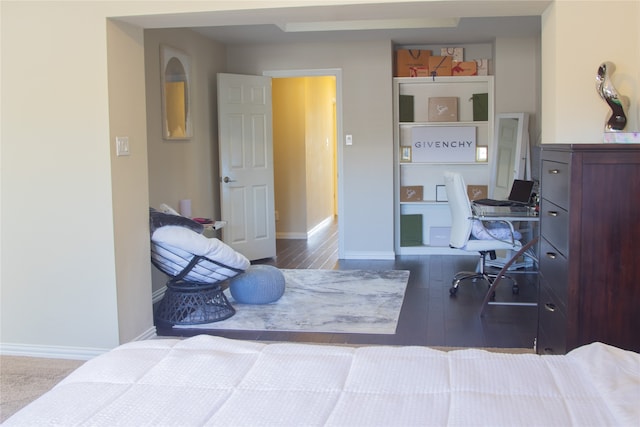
{"points": [[618, 104]]}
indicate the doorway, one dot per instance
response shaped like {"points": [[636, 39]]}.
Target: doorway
{"points": [[307, 155]]}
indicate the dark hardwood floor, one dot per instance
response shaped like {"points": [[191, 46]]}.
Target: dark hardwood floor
{"points": [[429, 315]]}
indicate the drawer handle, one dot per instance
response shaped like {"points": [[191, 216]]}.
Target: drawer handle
{"points": [[552, 213], [554, 171], [550, 307], [551, 255]]}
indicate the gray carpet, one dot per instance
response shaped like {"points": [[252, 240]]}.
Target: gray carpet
{"points": [[331, 301], [24, 379]]}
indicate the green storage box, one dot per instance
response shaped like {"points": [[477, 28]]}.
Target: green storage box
{"points": [[411, 230], [480, 107], [406, 108]]}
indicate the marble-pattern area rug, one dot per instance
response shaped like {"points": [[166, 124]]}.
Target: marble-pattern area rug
{"points": [[341, 301]]}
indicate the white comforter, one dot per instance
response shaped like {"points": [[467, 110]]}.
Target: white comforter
{"points": [[216, 381]]}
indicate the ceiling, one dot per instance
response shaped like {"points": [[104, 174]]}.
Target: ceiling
{"points": [[404, 23], [468, 30]]}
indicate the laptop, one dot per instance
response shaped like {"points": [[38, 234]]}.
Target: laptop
{"points": [[520, 195]]}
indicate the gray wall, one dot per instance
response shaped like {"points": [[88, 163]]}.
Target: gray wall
{"points": [[184, 169], [367, 96]]}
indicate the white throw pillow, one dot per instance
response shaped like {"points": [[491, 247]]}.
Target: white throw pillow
{"points": [[493, 230], [197, 244]]}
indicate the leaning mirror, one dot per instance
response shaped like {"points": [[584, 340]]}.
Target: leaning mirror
{"points": [[511, 158], [176, 84]]}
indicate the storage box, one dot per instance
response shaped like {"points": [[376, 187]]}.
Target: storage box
{"points": [[482, 66], [476, 192], [411, 193], [480, 107], [405, 108], [466, 68], [457, 53], [439, 236], [443, 109], [440, 65], [419, 72], [407, 58], [411, 230]]}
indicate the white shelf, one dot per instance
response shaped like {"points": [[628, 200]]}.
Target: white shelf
{"points": [[431, 174], [430, 250], [472, 123], [423, 202], [443, 163]]}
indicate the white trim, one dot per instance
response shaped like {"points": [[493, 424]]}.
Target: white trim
{"points": [[302, 235], [337, 72], [324, 223], [56, 352], [157, 295], [371, 255], [150, 333], [63, 352], [291, 235]]}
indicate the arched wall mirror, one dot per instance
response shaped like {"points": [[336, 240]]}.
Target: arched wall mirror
{"points": [[511, 158], [176, 84]]}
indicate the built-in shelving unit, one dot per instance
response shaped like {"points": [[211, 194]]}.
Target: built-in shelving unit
{"points": [[411, 124]]}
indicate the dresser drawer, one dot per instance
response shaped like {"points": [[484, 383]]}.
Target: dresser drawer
{"points": [[554, 182], [554, 225], [552, 323], [555, 270]]}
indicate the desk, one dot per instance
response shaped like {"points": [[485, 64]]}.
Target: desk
{"points": [[511, 214], [504, 213]]}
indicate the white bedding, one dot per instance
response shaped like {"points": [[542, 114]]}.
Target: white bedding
{"points": [[209, 380]]}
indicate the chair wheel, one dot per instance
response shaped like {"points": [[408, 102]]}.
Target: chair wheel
{"points": [[453, 291], [515, 289]]}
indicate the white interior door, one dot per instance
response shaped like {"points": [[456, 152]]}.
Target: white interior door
{"points": [[246, 164]]}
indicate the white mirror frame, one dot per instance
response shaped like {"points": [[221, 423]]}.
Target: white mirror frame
{"points": [[510, 159], [180, 119]]}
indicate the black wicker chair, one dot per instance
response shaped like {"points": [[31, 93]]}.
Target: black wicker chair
{"points": [[194, 292]]}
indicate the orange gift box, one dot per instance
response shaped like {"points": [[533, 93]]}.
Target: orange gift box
{"points": [[406, 59], [440, 65], [464, 68]]}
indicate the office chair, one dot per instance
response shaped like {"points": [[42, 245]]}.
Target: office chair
{"points": [[462, 223]]}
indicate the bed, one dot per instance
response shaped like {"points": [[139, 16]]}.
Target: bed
{"points": [[208, 380]]}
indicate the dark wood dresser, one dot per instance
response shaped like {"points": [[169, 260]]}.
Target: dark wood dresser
{"points": [[589, 246]]}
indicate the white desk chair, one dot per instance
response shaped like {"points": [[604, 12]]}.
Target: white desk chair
{"points": [[461, 225]]}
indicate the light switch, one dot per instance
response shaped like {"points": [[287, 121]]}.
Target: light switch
{"points": [[348, 140], [122, 145]]}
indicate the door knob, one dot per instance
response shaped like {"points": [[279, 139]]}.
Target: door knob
{"points": [[227, 180]]}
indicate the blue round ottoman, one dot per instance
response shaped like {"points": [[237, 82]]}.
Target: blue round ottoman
{"points": [[259, 284]]}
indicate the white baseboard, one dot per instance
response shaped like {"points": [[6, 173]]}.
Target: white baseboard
{"points": [[320, 226], [51, 352], [147, 335], [64, 352], [157, 295], [304, 235], [370, 255], [286, 235]]}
